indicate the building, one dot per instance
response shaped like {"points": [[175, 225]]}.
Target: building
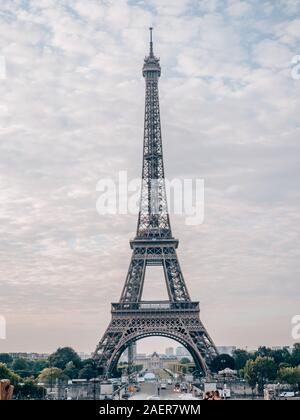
{"points": [[169, 351], [29, 356], [226, 350], [154, 361], [85, 356], [182, 352], [288, 348]]}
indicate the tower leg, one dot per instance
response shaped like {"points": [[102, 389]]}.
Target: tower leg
{"points": [[128, 326], [130, 358]]}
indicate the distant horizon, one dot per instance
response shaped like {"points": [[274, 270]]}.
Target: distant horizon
{"points": [[148, 351]]}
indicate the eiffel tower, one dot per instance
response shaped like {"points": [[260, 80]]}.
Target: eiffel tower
{"points": [[154, 245]]}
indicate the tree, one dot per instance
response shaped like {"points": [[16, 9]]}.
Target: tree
{"points": [[22, 367], [263, 351], [87, 372], [240, 358], [6, 373], [36, 366], [290, 375], [49, 375], [5, 358], [120, 370], [138, 368], [71, 371], [20, 364], [221, 362], [86, 362], [183, 369], [281, 356], [63, 356], [265, 369], [259, 371], [185, 361], [250, 374], [295, 356], [30, 390]]}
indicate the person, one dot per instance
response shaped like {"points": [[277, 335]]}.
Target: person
{"points": [[216, 396], [207, 396], [6, 390]]}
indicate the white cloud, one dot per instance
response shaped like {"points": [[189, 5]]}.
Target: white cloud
{"points": [[272, 54], [170, 7], [237, 8], [209, 5], [92, 10], [288, 33]]}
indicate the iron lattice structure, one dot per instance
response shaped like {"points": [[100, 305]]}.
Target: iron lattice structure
{"points": [[132, 319]]}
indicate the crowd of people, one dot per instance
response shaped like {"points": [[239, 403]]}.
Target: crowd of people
{"points": [[212, 395]]}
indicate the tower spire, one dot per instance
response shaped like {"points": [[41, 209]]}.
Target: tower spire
{"points": [[151, 42]]}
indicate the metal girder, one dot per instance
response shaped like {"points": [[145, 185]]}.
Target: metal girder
{"points": [[149, 255], [128, 326]]}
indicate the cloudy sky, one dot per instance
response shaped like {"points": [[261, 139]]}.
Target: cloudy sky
{"points": [[71, 102]]}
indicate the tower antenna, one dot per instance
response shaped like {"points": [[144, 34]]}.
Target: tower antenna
{"points": [[151, 41]]}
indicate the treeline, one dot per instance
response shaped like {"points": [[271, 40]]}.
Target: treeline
{"points": [[262, 366], [257, 368], [26, 375]]}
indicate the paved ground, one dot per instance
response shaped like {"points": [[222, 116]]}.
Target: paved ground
{"points": [[149, 389]]}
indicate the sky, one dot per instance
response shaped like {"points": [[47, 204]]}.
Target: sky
{"points": [[72, 103]]}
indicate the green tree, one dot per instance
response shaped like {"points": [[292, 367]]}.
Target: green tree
{"points": [[284, 365], [20, 364], [183, 368], [6, 358], [22, 367], [120, 370], [265, 369], [281, 356], [263, 351], [49, 375], [221, 362], [250, 374], [138, 368], [63, 356], [240, 358], [185, 361], [88, 372], [71, 371], [295, 356], [6, 373], [86, 362], [290, 375], [36, 366], [29, 390], [259, 371]]}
